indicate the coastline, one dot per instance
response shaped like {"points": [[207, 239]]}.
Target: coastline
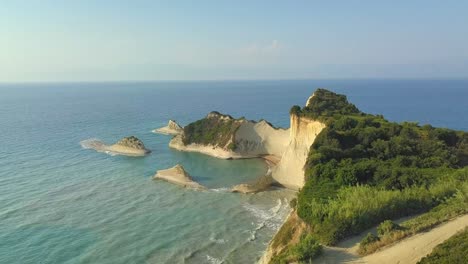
{"points": [[217, 152]]}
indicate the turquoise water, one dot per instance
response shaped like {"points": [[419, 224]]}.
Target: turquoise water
{"points": [[60, 203]]}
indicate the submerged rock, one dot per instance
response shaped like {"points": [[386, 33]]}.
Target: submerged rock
{"points": [[178, 175], [172, 128]]}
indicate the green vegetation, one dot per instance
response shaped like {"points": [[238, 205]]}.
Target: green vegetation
{"points": [[131, 142], [390, 233], [325, 105], [386, 227], [369, 239], [303, 252], [363, 169], [215, 129], [454, 250]]}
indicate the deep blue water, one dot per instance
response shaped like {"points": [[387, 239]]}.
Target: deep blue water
{"points": [[60, 203]]}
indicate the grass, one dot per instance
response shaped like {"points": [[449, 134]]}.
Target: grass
{"points": [[452, 207], [360, 207], [303, 252]]}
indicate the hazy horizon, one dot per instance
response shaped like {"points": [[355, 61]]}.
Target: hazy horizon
{"points": [[107, 41]]}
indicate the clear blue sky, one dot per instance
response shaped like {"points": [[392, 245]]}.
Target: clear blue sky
{"points": [[212, 40]]}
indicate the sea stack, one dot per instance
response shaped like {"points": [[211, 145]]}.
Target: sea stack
{"points": [[130, 146], [177, 175], [172, 128]]}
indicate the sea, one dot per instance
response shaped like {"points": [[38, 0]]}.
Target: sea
{"points": [[62, 203]]}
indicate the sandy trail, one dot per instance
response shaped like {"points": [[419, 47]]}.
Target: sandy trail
{"points": [[407, 251]]}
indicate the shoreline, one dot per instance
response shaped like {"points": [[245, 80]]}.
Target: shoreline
{"points": [[261, 183]]}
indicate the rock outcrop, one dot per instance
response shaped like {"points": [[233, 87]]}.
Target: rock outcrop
{"points": [[130, 146], [259, 185], [172, 128], [225, 137], [290, 170], [289, 234], [231, 138], [177, 175]]}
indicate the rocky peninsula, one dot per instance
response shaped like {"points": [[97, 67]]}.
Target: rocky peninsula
{"points": [[225, 137], [348, 166], [177, 175]]}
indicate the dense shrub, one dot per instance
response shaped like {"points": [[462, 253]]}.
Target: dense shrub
{"points": [[356, 208], [386, 227], [307, 249], [369, 239], [303, 252], [363, 169], [295, 110], [325, 104], [451, 207], [212, 131]]}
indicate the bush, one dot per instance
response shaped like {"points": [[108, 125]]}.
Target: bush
{"points": [[295, 110], [232, 146], [307, 249], [386, 227], [369, 239]]}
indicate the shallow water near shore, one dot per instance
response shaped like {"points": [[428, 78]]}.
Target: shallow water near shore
{"points": [[61, 203]]}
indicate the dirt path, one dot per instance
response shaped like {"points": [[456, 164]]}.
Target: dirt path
{"points": [[407, 251]]}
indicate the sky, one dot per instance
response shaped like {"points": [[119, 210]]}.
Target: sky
{"points": [[60, 41]]}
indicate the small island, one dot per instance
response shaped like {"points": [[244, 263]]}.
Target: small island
{"points": [[172, 128], [127, 146], [131, 146], [177, 175]]}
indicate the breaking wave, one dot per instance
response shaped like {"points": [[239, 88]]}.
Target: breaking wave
{"points": [[220, 190], [267, 218], [213, 260]]}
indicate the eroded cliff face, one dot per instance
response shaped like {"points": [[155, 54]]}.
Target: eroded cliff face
{"points": [[238, 138], [290, 169], [248, 139], [261, 138]]}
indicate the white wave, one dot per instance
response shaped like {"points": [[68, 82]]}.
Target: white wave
{"points": [[217, 241], [98, 145], [271, 218], [213, 260], [92, 143], [218, 190]]}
